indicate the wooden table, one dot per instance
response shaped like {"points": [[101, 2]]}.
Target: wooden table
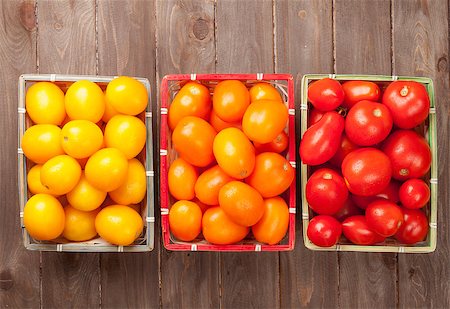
{"points": [[154, 37]]}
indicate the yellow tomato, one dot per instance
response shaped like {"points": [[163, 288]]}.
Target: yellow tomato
{"points": [[61, 174], [34, 181], [126, 133], [81, 138], [44, 103], [110, 111], [85, 100], [127, 95], [42, 142], [79, 225], [132, 191], [85, 196]]}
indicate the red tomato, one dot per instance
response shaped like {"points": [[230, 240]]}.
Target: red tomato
{"points": [[414, 227], [326, 192], [368, 123], [390, 193], [314, 116], [326, 94], [278, 145], [384, 217], [349, 209], [367, 171], [345, 148], [408, 102], [358, 90], [409, 153], [414, 193], [356, 230], [321, 141], [324, 231]]}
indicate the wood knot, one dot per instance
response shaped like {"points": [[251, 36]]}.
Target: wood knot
{"points": [[6, 281], [58, 25], [442, 64], [411, 272], [200, 29], [27, 15], [302, 14]]}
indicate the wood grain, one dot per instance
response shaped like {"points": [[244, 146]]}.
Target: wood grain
{"points": [[421, 49], [19, 268], [249, 280], [185, 44], [365, 49], [67, 44], [126, 46], [308, 278]]}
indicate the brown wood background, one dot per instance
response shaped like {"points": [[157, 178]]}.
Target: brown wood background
{"points": [[151, 38]]}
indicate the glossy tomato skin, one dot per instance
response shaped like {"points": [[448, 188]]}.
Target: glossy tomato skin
{"points": [[326, 192], [274, 224], [356, 230], [384, 217], [278, 145], [349, 209], [314, 116], [409, 153], [264, 91], [321, 141], [414, 227], [218, 228], [390, 193], [368, 123], [326, 94], [230, 100], [358, 90], [408, 102], [344, 149], [324, 231], [367, 171], [414, 194]]}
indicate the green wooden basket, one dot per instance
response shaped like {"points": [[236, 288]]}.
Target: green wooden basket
{"points": [[429, 131]]}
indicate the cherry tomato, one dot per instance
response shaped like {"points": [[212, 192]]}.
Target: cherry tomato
{"points": [[384, 217], [321, 141], [356, 230], [326, 94], [358, 90], [324, 231], [314, 116], [409, 153], [349, 209], [345, 148], [326, 192], [278, 145], [414, 227], [390, 193], [414, 193], [408, 102], [368, 123], [367, 171]]}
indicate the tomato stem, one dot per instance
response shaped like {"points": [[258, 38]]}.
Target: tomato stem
{"points": [[327, 176], [404, 91], [377, 112], [404, 172]]}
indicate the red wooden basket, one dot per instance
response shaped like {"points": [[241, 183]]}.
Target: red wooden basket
{"points": [[169, 87]]}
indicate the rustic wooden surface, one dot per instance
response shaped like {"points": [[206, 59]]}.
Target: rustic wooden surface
{"points": [[151, 38]]}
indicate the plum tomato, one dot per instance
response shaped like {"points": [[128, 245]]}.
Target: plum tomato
{"points": [[314, 116], [390, 193], [324, 231], [321, 141], [326, 192], [409, 153], [349, 209], [414, 227], [356, 230], [414, 193], [326, 94], [367, 171], [384, 217], [408, 102], [368, 123], [358, 90], [345, 148]]}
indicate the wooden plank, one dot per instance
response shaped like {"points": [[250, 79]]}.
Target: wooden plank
{"points": [[126, 46], [363, 45], [421, 38], [307, 278], [185, 44], [67, 44], [19, 268], [245, 45]]}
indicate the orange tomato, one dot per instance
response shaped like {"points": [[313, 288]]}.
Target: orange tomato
{"points": [[126, 133], [41, 142], [218, 124], [230, 100], [219, 229], [234, 153], [193, 99], [278, 145], [272, 175], [203, 206], [193, 138], [44, 103], [80, 225], [81, 138], [185, 220], [181, 178], [274, 224], [85, 100], [242, 203], [209, 183], [60, 174], [264, 120], [264, 91], [127, 95], [133, 190]]}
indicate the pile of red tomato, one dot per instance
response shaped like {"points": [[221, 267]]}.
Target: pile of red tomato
{"points": [[368, 162]]}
